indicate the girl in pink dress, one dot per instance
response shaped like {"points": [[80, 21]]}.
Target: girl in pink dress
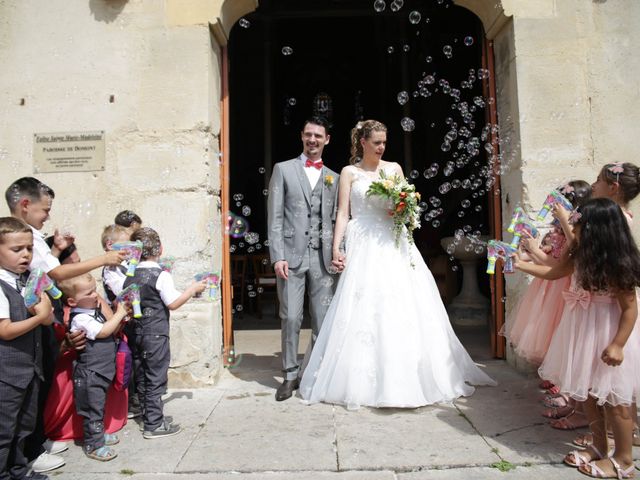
{"points": [[595, 351], [540, 309]]}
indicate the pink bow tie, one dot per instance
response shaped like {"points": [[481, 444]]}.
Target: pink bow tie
{"points": [[580, 297], [317, 164]]}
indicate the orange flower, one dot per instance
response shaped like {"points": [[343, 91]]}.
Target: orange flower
{"points": [[403, 194], [400, 206]]}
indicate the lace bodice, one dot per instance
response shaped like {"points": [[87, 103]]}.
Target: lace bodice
{"points": [[363, 206]]}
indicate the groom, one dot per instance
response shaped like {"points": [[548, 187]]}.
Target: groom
{"points": [[301, 206]]}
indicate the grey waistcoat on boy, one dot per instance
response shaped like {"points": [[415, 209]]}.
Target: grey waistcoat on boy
{"points": [[99, 355], [21, 357], [155, 314]]}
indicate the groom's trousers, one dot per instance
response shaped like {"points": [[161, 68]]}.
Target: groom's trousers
{"points": [[312, 277]]}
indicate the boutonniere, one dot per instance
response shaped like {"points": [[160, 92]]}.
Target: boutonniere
{"points": [[328, 180]]}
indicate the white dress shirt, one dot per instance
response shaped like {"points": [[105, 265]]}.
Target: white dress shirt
{"points": [[42, 256], [10, 278], [313, 173]]}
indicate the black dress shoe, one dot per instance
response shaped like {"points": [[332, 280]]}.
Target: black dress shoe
{"points": [[286, 389]]}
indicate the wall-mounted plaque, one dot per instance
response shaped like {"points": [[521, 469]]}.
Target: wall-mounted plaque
{"points": [[68, 152]]}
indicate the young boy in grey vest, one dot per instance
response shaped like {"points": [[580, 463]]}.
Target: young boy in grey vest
{"points": [[20, 349], [95, 366], [151, 353]]}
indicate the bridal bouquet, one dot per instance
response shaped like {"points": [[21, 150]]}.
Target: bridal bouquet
{"points": [[405, 212]]}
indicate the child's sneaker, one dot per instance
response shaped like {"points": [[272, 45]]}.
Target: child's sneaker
{"points": [[134, 411], [167, 419], [166, 429]]}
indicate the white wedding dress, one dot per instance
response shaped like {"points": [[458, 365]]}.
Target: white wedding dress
{"points": [[386, 340]]}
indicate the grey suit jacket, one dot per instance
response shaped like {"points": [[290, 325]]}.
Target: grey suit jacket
{"points": [[289, 212]]}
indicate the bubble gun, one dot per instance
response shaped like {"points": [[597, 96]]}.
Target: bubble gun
{"points": [[553, 198], [497, 249], [523, 225], [213, 281], [133, 252], [518, 214], [37, 283], [131, 296]]}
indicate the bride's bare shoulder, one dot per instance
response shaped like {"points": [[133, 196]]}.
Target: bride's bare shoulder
{"points": [[349, 170]]}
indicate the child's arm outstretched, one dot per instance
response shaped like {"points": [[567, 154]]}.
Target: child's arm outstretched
{"points": [[193, 289], [70, 270], [535, 252], [561, 269], [42, 315], [613, 355]]}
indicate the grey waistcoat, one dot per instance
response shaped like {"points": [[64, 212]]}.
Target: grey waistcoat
{"points": [[21, 357]]}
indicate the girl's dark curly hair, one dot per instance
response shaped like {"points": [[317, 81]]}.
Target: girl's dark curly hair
{"points": [[606, 257]]}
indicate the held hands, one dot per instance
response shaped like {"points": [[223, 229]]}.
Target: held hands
{"points": [[612, 355], [339, 261], [281, 269]]}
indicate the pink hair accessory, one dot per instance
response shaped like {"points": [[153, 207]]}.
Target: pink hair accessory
{"points": [[616, 167], [574, 217]]}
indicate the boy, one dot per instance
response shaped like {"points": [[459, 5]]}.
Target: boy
{"points": [[96, 364], [30, 200], [113, 276], [151, 354], [20, 349]]}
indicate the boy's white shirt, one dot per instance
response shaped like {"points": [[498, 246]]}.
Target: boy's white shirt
{"points": [[85, 321], [164, 284], [10, 278], [114, 278], [42, 256]]}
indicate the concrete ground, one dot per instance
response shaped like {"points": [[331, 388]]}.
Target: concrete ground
{"points": [[237, 431]]}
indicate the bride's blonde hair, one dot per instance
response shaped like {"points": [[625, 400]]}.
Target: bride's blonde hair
{"points": [[363, 129]]}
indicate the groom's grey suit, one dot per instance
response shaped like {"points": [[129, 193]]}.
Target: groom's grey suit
{"points": [[300, 223]]}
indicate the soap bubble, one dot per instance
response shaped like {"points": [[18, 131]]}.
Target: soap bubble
{"points": [[251, 238], [237, 226], [435, 201], [465, 203], [406, 48], [397, 5], [468, 41], [447, 50], [414, 174], [408, 125], [403, 97], [379, 5], [238, 197], [429, 59], [390, 49], [286, 51], [244, 23], [246, 210], [444, 188], [415, 17], [445, 147], [435, 223], [430, 79], [292, 101], [261, 170]]}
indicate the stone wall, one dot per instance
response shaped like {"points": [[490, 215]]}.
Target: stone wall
{"points": [[153, 85]]}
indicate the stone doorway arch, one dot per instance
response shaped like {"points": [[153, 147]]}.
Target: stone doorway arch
{"points": [[494, 22]]}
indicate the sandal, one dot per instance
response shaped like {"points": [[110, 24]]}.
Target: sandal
{"points": [[576, 458], [586, 439], [103, 454], [558, 412], [557, 401], [111, 439], [570, 422], [596, 472]]}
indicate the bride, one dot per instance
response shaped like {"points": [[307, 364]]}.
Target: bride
{"points": [[386, 340]]}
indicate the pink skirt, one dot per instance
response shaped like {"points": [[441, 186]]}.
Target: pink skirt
{"points": [[537, 318], [589, 324]]}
